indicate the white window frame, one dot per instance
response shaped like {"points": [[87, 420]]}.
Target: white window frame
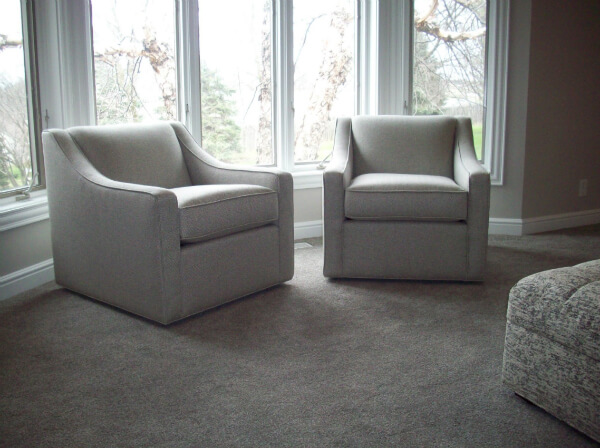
{"points": [[33, 106], [66, 91], [395, 19], [305, 175]]}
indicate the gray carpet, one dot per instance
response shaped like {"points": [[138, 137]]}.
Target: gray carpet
{"points": [[313, 363]]}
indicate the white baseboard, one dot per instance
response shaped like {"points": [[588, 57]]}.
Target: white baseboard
{"points": [[503, 226], [308, 229], [26, 279], [561, 221]]}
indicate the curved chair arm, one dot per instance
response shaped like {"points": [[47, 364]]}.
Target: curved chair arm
{"points": [[100, 225], [468, 172], [205, 169], [336, 178], [473, 177]]}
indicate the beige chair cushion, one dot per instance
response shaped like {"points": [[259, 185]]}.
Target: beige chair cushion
{"points": [[403, 144], [414, 197], [211, 211]]}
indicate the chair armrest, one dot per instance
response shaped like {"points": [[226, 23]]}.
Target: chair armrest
{"points": [[473, 177], [336, 178], [339, 168], [468, 172], [205, 169], [115, 235]]}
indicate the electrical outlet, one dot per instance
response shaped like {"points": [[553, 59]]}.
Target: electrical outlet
{"points": [[582, 187]]}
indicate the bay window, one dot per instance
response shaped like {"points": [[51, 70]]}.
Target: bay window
{"points": [[256, 81]]}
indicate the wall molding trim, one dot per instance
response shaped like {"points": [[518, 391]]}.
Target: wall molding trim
{"points": [[308, 229], [19, 214], [26, 279], [505, 226], [528, 226], [560, 221]]}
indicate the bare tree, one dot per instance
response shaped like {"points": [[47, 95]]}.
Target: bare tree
{"points": [[449, 55], [15, 156], [264, 146], [116, 72], [333, 72]]}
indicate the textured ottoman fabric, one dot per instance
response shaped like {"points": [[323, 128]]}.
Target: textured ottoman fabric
{"points": [[552, 348]]}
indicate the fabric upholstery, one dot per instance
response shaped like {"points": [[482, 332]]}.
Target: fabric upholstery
{"points": [[403, 144], [147, 154], [205, 169], [212, 211], [409, 250], [405, 197], [552, 346], [243, 262], [118, 240], [563, 304], [414, 197]]}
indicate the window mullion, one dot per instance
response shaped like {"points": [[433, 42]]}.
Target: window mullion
{"points": [[31, 75], [394, 56], [76, 62], [366, 57], [495, 112], [283, 84], [188, 66]]}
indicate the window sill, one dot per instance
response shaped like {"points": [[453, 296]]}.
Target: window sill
{"points": [[15, 214], [308, 179]]}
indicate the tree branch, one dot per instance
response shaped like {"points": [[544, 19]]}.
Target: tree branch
{"points": [[448, 36], [5, 42]]}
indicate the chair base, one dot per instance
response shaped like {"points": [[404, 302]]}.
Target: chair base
{"points": [[402, 250]]}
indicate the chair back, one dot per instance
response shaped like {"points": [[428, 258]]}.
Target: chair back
{"points": [[404, 144], [147, 154]]}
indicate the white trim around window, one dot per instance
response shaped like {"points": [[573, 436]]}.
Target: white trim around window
{"points": [[497, 69]]}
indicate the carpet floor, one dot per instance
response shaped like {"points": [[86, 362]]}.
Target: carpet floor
{"points": [[312, 363]]}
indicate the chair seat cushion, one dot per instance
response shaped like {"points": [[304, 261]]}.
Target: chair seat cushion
{"points": [[212, 211], [414, 197], [562, 305]]}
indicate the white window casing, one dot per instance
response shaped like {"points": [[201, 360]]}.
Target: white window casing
{"points": [[382, 68]]}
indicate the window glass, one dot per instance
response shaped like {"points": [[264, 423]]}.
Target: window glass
{"points": [[236, 85], [134, 60], [449, 60], [15, 148], [323, 73]]}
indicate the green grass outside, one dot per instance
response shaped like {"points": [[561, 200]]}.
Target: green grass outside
{"points": [[478, 139]]}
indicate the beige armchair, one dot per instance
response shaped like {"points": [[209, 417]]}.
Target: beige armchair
{"points": [[405, 198], [143, 219]]}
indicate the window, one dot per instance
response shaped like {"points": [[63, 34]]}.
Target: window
{"points": [[256, 81], [443, 56], [236, 87], [449, 60], [242, 54], [18, 127], [134, 60], [324, 87]]}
